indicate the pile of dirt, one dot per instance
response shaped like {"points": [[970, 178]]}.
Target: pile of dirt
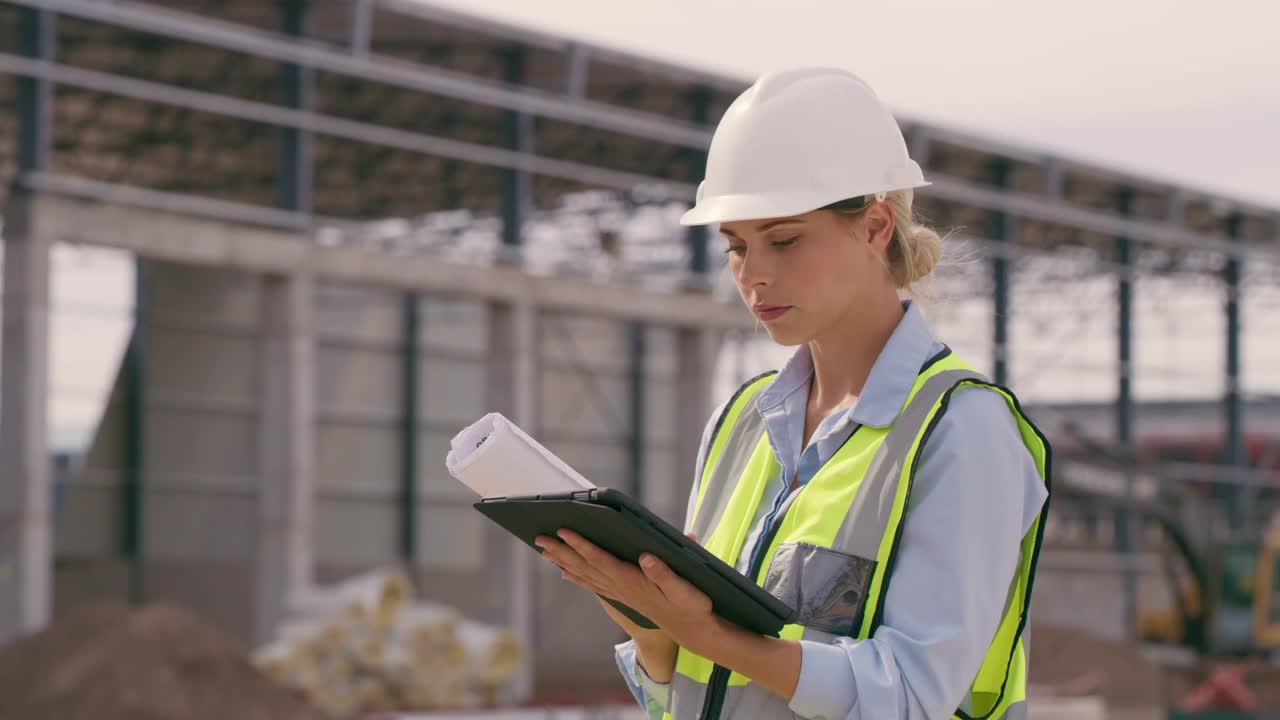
{"points": [[1076, 662], [108, 662]]}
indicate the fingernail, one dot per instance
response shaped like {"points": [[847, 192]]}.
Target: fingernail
{"points": [[646, 562], [563, 534]]}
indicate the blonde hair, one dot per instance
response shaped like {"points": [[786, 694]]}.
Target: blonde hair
{"points": [[915, 249]]}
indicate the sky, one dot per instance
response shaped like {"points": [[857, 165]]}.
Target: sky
{"points": [[1178, 90]]}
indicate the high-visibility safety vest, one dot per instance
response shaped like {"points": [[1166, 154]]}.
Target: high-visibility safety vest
{"points": [[832, 545]]}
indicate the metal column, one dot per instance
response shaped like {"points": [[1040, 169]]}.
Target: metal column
{"points": [[695, 347], [133, 371], [517, 185], [1125, 529], [34, 96], [286, 466], [26, 537], [515, 335], [1003, 235], [361, 26], [297, 92], [409, 433], [284, 555], [26, 529], [699, 235], [514, 372], [1233, 443], [639, 394]]}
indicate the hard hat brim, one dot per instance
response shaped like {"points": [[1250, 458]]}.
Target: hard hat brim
{"points": [[731, 208]]}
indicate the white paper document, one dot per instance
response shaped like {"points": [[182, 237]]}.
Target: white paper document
{"points": [[495, 458]]}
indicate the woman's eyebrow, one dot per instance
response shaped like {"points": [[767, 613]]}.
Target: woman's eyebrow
{"points": [[765, 227]]}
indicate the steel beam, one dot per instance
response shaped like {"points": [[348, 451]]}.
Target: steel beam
{"points": [[144, 224], [1055, 211], [413, 76], [1048, 209], [337, 127]]}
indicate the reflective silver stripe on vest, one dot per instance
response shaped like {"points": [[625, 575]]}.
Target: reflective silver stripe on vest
{"points": [[868, 518], [744, 436], [1016, 711], [741, 702], [687, 696]]}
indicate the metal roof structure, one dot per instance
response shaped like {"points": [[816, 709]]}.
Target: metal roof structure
{"points": [[401, 109], [396, 122]]}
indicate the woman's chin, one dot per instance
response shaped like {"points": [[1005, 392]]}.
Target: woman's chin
{"points": [[785, 336]]}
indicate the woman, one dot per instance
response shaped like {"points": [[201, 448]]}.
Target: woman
{"points": [[877, 484]]}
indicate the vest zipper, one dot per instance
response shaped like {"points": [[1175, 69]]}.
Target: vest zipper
{"points": [[718, 683]]}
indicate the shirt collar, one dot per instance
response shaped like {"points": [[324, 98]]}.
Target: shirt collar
{"points": [[889, 383]]}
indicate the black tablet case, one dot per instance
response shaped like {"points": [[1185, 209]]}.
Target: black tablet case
{"points": [[623, 527]]}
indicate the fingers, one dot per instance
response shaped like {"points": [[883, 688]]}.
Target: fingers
{"points": [[577, 573], [566, 575], [591, 553], [675, 588], [562, 556], [567, 558], [692, 536]]}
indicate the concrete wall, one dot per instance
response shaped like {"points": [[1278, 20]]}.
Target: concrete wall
{"points": [[203, 433]]}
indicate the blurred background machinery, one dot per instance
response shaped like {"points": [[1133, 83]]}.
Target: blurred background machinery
{"points": [[263, 259]]}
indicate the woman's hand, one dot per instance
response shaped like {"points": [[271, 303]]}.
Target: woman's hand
{"points": [[681, 611], [655, 650]]}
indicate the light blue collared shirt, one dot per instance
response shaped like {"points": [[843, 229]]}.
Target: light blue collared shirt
{"points": [[975, 495]]}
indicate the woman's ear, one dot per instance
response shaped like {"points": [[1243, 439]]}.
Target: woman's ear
{"points": [[879, 221]]}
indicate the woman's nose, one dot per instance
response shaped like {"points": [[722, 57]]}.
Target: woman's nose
{"points": [[756, 270]]}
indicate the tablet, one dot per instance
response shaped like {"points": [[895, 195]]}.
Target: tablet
{"points": [[623, 527]]}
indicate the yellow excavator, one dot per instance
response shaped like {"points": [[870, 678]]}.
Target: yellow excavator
{"points": [[1226, 597]]}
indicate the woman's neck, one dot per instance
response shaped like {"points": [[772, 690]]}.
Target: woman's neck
{"points": [[843, 357]]}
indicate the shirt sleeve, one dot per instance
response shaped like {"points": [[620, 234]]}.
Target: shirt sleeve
{"points": [[976, 494], [652, 695]]}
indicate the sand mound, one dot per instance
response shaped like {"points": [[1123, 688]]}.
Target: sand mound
{"points": [[108, 662]]}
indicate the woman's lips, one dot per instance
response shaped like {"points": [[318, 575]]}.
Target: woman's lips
{"points": [[770, 312]]}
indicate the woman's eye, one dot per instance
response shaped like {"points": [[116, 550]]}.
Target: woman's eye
{"points": [[736, 250], [785, 243]]}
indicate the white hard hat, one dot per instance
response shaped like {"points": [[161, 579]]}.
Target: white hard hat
{"points": [[800, 140]]}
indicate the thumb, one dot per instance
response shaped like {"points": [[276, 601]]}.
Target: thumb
{"points": [[692, 536]]}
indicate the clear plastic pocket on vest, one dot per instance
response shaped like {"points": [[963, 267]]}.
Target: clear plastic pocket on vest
{"points": [[827, 588]]}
